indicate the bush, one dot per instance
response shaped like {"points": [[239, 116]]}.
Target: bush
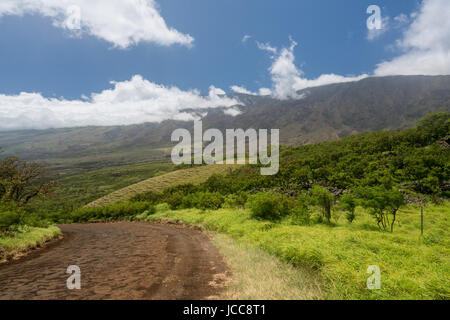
{"points": [[300, 213], [348, 204], [324, 199], [235, 201], [269, 206], [174, 200], [8, 219], [203, 200], [152, 197], [116, 211]]}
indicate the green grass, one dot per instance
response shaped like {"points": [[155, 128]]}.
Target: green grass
{"points": [[195, 175], [412, 267], [29, 238]]}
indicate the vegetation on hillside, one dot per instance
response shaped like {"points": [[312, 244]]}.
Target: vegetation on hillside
{"points": [[379, 171]]}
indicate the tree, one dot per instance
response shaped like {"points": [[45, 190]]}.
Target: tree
{"points": [[324, 199], [381, 203], [436, 125], [348, 203], [21, 181]]}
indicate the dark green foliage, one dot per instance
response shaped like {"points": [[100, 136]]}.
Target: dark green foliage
{"points": [[348, 204], [116, 211], [152, 197], [269, 206], [300, 213], [8, 219], [382, 204], [321, 197], [203, 200]]}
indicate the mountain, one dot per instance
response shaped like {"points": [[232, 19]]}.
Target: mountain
{"points": [[324, 113]]}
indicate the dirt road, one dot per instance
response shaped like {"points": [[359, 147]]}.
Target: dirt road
{"points": [[120, 261]]}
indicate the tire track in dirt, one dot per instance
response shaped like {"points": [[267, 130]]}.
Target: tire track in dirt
{"points": [[124, 260]]}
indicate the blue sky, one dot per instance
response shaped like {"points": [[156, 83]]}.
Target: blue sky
{"points": [[332, 37], [164, 54]]}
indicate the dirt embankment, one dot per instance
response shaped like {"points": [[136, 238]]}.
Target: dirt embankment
{"points": [[120, 261]]}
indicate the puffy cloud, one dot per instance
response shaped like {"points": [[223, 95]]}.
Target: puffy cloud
{"points": [[242, 90], [287, 78], [120, 22], [425, 43], [265, 92], [232, 112], [128, 102]]}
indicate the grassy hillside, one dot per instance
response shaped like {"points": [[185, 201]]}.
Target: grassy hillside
{"points": [[194, 176]]}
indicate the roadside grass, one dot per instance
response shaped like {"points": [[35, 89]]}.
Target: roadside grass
{"points": [[195, 175], [412, 267], [258, 275], [30, 238]]}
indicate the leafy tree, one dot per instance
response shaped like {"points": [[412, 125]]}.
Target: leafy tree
{"points": [[348, 203], [22, 181], [324, 199], [436, 125], [381, 203]]}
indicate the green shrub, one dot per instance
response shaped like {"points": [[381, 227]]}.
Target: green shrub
{"points": [[269, 206], [300, 213], [236, 201], [174, 200], [203, 200], [348, 204], [8, 219], [116, 211], [151, 196], [324, 199]]}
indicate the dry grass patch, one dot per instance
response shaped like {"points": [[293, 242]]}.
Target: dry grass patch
{"points": [[258, 275], [194, 175]]}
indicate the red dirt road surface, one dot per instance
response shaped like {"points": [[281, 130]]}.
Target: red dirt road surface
{"points": [[120, 261]]}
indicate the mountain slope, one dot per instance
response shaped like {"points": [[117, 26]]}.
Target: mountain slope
{"points": [[325, 113]]}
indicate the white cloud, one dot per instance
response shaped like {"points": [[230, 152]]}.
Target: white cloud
{"points": [[232, 112], [265, 92], [376, 33], [128, 102], [266, 47], [242, 90], [246, 38], [401, 18], [287, 78], [425, 43], [121, 22]]}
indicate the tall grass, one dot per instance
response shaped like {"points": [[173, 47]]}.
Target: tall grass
{"points": [[412, 267]]}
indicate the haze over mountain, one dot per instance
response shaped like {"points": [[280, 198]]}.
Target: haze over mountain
{"points": [[324, 113]]}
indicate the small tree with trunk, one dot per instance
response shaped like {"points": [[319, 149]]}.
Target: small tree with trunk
{"points": [[383, 204], [321, 197], [22, 181]]}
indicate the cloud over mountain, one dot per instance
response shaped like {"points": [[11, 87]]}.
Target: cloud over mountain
{"points": [[128, 102]]}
